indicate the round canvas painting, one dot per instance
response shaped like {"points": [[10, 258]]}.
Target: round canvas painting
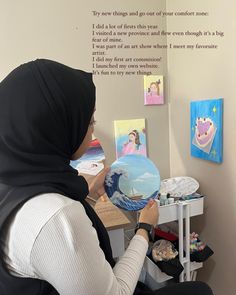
{"points": [[132, 181]]}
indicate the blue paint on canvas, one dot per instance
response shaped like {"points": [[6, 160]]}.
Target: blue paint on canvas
{"points": [[207, 129], [132, 181]]}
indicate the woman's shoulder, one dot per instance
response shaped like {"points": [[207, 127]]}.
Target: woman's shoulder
{"points": [[35, 214], [28, 222], [49, 200], [41, 208]]}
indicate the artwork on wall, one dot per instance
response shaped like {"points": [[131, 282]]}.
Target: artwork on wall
{"points": [[153, 90], [130, 137], [91, 162], [207, 129], [132, 181]]}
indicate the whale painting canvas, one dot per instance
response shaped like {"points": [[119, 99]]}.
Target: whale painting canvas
{"points": [[92, 161], [132, 181], [207, 129]]}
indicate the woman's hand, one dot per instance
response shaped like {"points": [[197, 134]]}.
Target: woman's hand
{"points": [[150, 213], [96, 188]]}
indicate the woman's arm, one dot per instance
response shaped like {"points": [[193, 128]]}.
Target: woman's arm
{"points": [[66, 253]]}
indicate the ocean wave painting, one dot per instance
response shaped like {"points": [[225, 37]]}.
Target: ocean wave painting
{"points": [[132, 181]]}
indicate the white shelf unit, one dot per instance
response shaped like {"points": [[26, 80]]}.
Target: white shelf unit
{"points": [[178, 212]]}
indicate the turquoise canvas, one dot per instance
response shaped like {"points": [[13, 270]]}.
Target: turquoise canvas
{"points": [[207, 129]]}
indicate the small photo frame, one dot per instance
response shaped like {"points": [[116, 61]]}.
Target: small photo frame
{"points": [[153, 90]]}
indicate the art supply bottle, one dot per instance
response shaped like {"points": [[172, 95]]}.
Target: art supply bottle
{"points": [[163, 200]]}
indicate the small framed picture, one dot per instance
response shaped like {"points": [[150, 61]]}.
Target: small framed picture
{"points": [[130, 137], [153, 90]]}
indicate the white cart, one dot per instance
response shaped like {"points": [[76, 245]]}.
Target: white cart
{"points": [[178, 212]]}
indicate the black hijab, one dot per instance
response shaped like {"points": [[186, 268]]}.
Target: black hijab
{"points": [[45, 110]]}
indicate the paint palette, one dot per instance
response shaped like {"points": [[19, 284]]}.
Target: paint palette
{"points": [[132, 181], [179, 186]]}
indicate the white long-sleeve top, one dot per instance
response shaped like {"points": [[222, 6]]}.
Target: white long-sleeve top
{"points": [[51, 238]]}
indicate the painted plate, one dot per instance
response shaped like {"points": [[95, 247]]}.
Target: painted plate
{"points": [[179, 186], [132, 181]]}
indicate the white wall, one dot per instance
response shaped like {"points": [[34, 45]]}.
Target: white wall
{"points": [[197, 75]]}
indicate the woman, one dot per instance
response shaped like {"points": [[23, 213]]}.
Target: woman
{"points": [[133, 146], [52, 242], [153, 95]]}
